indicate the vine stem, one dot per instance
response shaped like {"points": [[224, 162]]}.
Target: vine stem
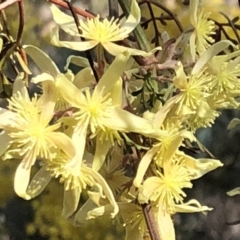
{"points": [[79, 11], [150, 221]]}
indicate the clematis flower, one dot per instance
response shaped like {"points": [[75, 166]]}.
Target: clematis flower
{"points": [[101, 111], [166, 188], [26, 130], [97, 31], [165, 191], [200, 39]]}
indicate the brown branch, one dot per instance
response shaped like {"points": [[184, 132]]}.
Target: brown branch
{"points": [[79, 11], [150, 221], [21, 23]]}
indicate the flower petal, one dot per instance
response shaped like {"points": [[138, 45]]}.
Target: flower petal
{"points": [[38, 183], [63, 142], [43, 61], [69, 92], [70, 201], [78, 46], [108, 192], [21, 181], [102, 148], [65, 21], [189, 207], [133, 19], [112, 75], [19, 86], [209, 54], [4, 142], [199, 167], [165, 225], [234, 192], [143, 166], [116, 49], [124, 121], [81, 216], [84, 78]]}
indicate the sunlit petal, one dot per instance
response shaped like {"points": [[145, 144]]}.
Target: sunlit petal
{"points": [[38, 183]]}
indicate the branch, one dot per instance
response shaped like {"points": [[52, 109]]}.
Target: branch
{"points": [[79, 11]]}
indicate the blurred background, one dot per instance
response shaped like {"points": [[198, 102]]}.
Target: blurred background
{"points": [[40, 218]]}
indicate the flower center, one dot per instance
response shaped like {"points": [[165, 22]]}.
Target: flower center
{"points": [[101, 31]]}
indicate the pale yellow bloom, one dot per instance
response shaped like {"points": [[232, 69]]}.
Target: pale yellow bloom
{"points": [[166, 188], [100, 111], [97, 31], [201, 38], [192, 90], [27, 130]]}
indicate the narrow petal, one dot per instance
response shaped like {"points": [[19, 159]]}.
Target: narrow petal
{"points": [[108, 192], [112, 75], [115, 50], [43, 61], [19, 86], [234, 192], [7, 118], [77, 60], [65, 21], [42, 78], [133, 18], [82, 214], [165, 225], [234, 122], [70, 201], [163, 111], [100, 211], [69, 92], [38, 183], [78, 46], [199, 167], [101, 151], [127, 122], [21, 181], [143, 166], [193, 8], [209, 54], [4, 142], [84, 78], [63, 142], [191, 206]]}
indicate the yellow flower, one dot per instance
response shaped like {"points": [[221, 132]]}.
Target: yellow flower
{"points": [[75, 178], [166, 188], [192, 90], [203, 29], [97, 31], [225, 72], [26, 128], [101, 111]]}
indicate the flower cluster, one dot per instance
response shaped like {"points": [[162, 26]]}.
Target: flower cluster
{"points": [[89, 130]]}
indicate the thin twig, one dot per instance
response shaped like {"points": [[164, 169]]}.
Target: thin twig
{"points": [[88, 54], [158, 4], [21, 23], [154, 24], [232, 26], [151, 223], [79, 11]]}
